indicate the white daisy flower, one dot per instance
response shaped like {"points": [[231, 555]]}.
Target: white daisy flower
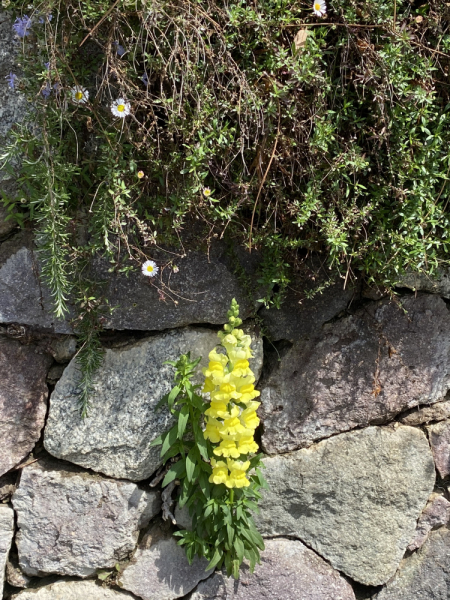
{"points": [[120, 108], [149, 268], [79, 94], [320, 8]]}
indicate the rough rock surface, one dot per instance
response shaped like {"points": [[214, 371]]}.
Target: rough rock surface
{"points": [[6, 536], [64, 348], [14, 576], [439, 284], [73, 523], [122, 422], [13, 105], [203, 288], [23, 400], [288, 571], [426, 414], [202, 291], [425, 575], [23, 297], [439, 436], [302, 318], [435, 514], [354, 498], [72, 590], [360, 370], [159, 569]]}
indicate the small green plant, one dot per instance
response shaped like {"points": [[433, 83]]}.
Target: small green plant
{"points": [[221, 494]]}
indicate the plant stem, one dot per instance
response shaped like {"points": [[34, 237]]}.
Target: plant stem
{"points": [[231, 497]]}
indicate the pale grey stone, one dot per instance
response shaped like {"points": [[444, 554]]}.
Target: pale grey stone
{"points": [[360, 370], [288, 571], [73, 523], [6, 536], [439, 436], [64, 348], [114, 439], [23, 297], [72, 590], [421, 282], [23, 400], [159, 569], [426, 414], [425, 575], [435, 514], [354, 498]]}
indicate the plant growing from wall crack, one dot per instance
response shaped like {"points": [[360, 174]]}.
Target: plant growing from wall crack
{"points": [[218, 470]]}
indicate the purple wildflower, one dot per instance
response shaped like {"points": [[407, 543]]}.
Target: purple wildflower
{"points": [[11, 80], [145, 79], [47, 90], [47, 66], [56, 87], [42, 19], [120, 49], [22, 26]]}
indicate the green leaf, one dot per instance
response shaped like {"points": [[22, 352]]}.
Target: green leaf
{"points": [[191, 463], [170, 439], [102, 575], [230, 533], [172, 396], [182, 421], [215, 560], [157, 441], [239, 548], [176, 471]]}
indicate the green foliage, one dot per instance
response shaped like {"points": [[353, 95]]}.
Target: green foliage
{"points": [[223, 529], [339, 146]]}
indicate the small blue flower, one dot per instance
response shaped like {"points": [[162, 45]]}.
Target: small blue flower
{"points": [[145, 79], [120, 49], [47, 90], [47, 66], [11, 80], [42, 19], [22, 26]]}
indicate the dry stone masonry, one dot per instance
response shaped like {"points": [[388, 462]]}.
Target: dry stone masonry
{"points": [[355, 425]]}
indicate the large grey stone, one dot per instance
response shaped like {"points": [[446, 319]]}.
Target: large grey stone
{"points": [[122, 422], [360, 370], [73, 523], [23, 297], [354, 498], [23, 400], [288, 571], [425, 575], [200, 291], [304, 311], [159, 569], [6, 536], [72, 590], [439, 436]]}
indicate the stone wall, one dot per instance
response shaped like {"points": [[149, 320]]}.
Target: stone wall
{"points": [[355, 424]]}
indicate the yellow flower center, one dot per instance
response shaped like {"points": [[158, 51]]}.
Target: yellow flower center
{"points": [[317, 6], [140, 174], [150, 269], [78, 95], [121, 108]]}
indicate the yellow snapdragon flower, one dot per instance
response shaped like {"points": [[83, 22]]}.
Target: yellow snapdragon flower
{"points": [[211, 432], [219, 473], [229, 381], [227, 448]]}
